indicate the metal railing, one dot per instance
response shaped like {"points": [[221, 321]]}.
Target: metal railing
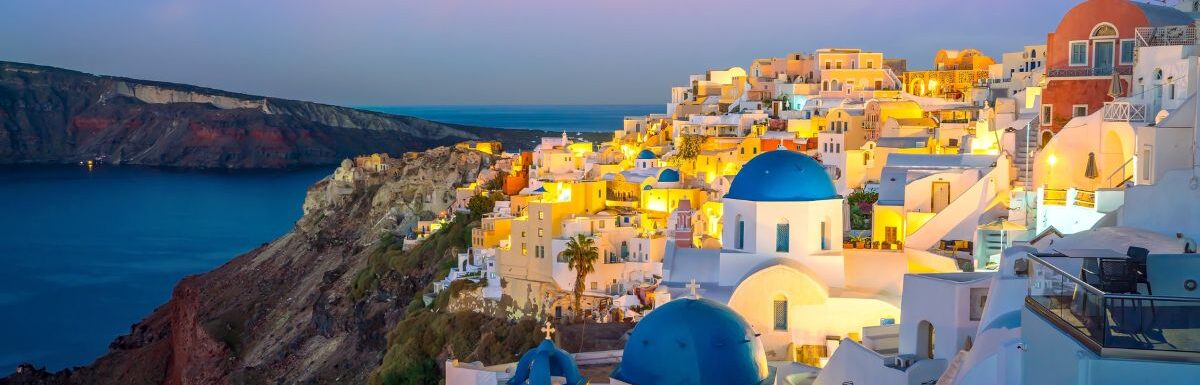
{"points": [[1163, 36], [1062, 72], [1109, 323], [1121, 111], [1122, 174]]}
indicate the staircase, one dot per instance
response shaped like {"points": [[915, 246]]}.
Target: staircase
{"points": [[1026, 148]]}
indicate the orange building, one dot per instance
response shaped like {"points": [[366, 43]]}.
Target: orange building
{"points": [[518, 178], [1094, 40]]}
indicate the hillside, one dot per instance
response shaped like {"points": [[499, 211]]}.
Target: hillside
{"points": [[53, 115]]}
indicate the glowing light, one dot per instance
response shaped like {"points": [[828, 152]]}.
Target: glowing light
{"points": [[1052, 160]]}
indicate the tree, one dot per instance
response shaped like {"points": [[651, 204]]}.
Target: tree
{"points": [[581, 255], [480, 204]]}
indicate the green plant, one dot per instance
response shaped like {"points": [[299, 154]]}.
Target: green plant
{"points": [[581, 255]]}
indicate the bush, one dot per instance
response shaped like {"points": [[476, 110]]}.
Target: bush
{"points": [[417, 344]]}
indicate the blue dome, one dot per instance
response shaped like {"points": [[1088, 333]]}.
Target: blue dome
{"points": [[540, 363], [782, 176], [668, 175], [693, 341], [646, 154]]}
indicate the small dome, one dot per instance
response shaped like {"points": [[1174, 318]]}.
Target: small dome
{"points": [[668, 176], [646, 154], [543, 361], [693, 341], [782, 176]]}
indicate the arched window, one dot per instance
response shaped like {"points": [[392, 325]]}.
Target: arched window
{"points": [[782, 243], [1033, 54], [1103, 31], [780, 315], [740, 233], [1158, 74]]}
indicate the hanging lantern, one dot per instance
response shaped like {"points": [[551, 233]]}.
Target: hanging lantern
{"points": [[1091, 172]]}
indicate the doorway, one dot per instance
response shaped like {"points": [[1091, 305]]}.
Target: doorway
{"points": [[940, 196], [1102, 60], [925, 338]]}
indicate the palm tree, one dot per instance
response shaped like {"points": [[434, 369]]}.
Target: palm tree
{"points": [[581, 255]]}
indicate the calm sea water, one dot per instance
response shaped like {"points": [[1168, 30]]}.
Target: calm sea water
{"points": [[541, 117], [83, 255]]}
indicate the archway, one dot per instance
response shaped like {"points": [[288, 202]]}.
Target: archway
{"points": [[925, 338], [916, 87], [768, 298], [1112, 157], [1046, 136]]}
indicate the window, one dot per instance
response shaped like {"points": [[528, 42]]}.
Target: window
{"points": [[539, 232], [524, 250], [781, 316], [824, 236], [740, 236], [870, 64], [541, 215], [827, 65], [781, 238], [1079, 53], [1171, 90], [1145, 161], [1127, 48], [1104, 30], [1079, 110], [1047, 116], [839, 65], [978, 301]]}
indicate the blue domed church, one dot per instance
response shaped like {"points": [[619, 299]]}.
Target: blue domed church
{"points": [[781, 264]]}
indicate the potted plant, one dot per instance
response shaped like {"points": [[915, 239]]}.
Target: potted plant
{"points": [[860, 241]]}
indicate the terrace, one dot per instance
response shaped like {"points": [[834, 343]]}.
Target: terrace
{"points": [[1106, 301]]}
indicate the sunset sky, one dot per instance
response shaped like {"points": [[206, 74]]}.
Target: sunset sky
{"points": [[487, 51]]}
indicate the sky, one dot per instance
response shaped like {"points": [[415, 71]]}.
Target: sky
{"points": [[408, 52]]}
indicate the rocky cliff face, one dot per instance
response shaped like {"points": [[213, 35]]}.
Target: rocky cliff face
{"points": [[51, 115], [283, 313]]}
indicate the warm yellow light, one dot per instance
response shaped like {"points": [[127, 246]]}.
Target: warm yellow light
{"points": [[1052, 160]]}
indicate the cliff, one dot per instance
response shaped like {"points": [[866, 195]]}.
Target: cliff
{"points": [[52, 115], [282, 313]]}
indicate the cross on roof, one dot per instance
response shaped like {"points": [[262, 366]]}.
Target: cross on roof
{"points": [[693, 286], [548, 329]]}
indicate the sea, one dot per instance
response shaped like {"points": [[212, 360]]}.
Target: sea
{"points": [[579, 118], [86, 253]]}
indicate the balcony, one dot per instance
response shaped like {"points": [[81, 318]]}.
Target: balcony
{"points": [[1073, 72], [1112, 324], [1166, 36], [1124, 112]]}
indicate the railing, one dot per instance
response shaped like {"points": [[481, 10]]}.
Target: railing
{"points": [[1062, 72], [1122, 174], [1054, 197], [1113, 324], [1085, 198], [1169, 35], [1124, 112]]}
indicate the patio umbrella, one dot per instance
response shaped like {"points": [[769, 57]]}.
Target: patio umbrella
{"points": [[1091, 172], [1114, 86]]}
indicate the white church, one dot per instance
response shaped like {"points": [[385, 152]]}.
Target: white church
{"points": [[782, 266]]}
